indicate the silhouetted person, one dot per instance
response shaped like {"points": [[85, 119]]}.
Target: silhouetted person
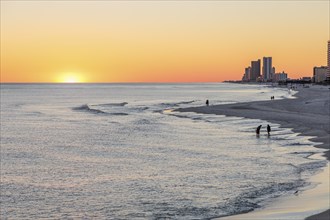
{"points": [[268, 129], [207, 102], [258, 129]]}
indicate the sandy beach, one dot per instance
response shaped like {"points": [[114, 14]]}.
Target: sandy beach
{"points": [[307, 114]]}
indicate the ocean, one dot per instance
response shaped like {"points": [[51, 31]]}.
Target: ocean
{"points": [[119, 151]]}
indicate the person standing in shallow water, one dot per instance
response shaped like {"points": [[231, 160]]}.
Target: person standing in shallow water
{"points": [[268, 130], [207, 102], [258, 130]]}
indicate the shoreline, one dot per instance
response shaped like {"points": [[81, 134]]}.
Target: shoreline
{"points": [[307, 114]]}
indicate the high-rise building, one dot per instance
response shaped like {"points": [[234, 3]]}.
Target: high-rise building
{"points": [[255, 70], [328, 72], [247, 74], [278, 77], [320, 74], [267, 68]]}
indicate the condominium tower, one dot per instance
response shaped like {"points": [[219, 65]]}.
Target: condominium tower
{"points": [[267, 69], [247, 74], [255, 70]]}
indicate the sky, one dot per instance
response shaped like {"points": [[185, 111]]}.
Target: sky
{"points": [[159, 41]]}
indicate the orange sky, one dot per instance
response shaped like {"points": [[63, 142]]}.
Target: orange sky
{"points": [[158, 41]]}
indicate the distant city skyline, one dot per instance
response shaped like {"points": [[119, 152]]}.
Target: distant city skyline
{"points": [[321, 74], [252, 73], [159, 41]]}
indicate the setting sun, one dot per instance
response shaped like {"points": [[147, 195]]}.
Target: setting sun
{"points": [[70, 78]]}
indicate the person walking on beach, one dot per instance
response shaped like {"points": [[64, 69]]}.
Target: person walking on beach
{"points": [[268, 130], [207, 102], [258, 129]]}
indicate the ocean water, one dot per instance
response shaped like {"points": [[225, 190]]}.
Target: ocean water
{"points": [[118, 151]]}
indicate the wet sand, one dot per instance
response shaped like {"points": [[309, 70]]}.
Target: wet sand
{"points": [[308, 114]]}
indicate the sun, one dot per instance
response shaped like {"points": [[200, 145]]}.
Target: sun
{"points": [[70, 78]]}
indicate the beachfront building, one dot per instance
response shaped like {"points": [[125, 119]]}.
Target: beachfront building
{"points": [[246, 76], [267, 69], [281, 77], [255, 70], [306, 78], [320, 74], [273, 70]]}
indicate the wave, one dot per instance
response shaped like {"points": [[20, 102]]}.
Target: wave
{"points": [[304, 154], [140, 109], [88, 109], [294, 144], [313, 166], [186, 102], [242, 203], [253, 199], [35, 113], [169, 104], [176, 104], [118, 113], [112, 104]]}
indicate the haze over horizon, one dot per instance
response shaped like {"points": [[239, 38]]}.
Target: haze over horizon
{"points": [[158, 41]]}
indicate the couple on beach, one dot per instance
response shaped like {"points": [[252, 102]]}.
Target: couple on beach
{"points": [[259, 127]]}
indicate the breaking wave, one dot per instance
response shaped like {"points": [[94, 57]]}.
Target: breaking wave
{"points": [[112, 104], [86, 108], [176, 104], [118, 113], [244, 202], [187, 102]]}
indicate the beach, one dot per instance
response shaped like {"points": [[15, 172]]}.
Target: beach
{"points": [[121, 152], [307, 114]]}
